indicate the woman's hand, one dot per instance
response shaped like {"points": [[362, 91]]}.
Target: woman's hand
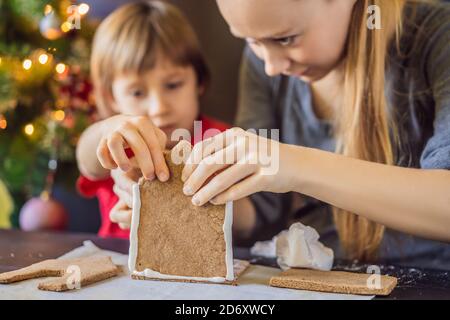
{"points": [[235, 164], [140, 135]]}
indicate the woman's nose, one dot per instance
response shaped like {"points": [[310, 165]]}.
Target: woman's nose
{"points": [[275, 62]]}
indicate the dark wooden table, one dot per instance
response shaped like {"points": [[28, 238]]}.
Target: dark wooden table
{"points": [[19, 249]]}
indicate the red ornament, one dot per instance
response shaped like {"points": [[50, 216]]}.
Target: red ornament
{"points": [[43, 214]]}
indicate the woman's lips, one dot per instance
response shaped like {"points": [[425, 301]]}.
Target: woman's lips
{"points": [[297, 73]]}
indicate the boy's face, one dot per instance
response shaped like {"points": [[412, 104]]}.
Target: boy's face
{"points": [[168, 94]]}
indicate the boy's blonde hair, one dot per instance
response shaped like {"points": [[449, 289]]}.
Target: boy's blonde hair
{"points": [[131, 39]]}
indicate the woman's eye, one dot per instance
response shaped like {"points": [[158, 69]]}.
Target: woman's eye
{"points": [[251, 41], [174, 85], [286, 41]]}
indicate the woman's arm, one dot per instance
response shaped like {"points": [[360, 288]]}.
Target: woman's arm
{"points": [[415, 201]]}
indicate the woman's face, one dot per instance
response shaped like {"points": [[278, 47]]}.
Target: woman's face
{"points": [[303, 38]]}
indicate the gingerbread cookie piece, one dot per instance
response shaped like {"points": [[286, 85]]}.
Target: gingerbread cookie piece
{"points": [[334, 282], [171, 239], [71, 273]]}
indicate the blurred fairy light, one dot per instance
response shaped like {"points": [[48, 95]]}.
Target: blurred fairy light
{"points": [[3, 122], [29, 129], [60, 68], [27, 64], [66, 27], [83, 9], [58, 115], [43, 58], [53, 164], [48, 9]]}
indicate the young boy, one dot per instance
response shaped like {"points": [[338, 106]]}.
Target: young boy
{"points": [[148, 74]]}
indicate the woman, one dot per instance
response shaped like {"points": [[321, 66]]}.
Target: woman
{"points": [[364, 115], [363, 108]]}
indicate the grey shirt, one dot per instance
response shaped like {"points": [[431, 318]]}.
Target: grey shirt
{"points": [[417, 84]]}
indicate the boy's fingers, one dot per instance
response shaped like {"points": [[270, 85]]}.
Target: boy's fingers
{"points": [[141, 152], [116, 147], [150, 134], [104, 157], [120, 213], [122, 179], [162, 138], [134, 174], [124, 226], [162, 171], [135, 164], [123, 195]]}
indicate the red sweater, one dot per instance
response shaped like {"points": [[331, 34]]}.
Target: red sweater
{"points": [[107, 199]]}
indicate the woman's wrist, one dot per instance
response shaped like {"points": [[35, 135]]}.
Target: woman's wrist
{"points": [[300, 166]]}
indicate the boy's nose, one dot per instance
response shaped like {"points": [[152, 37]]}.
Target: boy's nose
{"points": [[157, 106]]}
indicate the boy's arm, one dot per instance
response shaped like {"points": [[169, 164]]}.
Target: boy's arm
{"points": [[87, 160]]}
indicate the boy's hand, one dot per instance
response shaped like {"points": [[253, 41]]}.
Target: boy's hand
{"points": [[121, 214], [123, 183], [145, 140]]}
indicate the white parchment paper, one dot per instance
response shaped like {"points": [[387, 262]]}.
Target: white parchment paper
{"points": [[253, 285]]}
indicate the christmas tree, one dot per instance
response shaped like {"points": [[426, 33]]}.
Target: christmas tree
{"points": [[45, 94]]}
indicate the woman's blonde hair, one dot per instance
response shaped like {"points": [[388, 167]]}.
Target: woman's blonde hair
{"points": [[133, 37], [364, 123]]}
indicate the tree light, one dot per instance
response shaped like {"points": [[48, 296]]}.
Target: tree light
{"points": [[59, 115], [66, 27], [83, 9], [60, 68], [27, 64], [48, 8], [43, 58], [3, 123], [29, 129]]}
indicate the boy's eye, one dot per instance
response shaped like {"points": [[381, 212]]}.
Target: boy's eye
{"points": [[174, 85], [137, 93]]}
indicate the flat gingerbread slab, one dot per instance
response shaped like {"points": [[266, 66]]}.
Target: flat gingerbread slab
{"points": [[70, 273], [333, 281], [172, 237], [239, 267]]}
